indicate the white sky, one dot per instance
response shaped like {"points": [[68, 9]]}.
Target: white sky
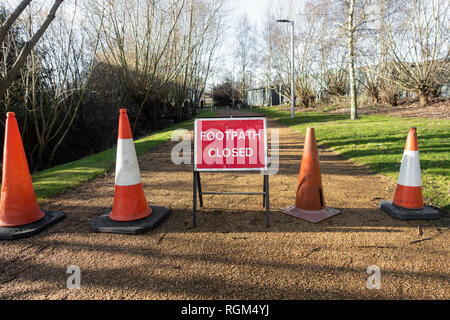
{"points": [[255, 9]]}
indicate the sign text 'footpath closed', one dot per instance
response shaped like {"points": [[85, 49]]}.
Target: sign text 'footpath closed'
{"points": [[230, 144]]}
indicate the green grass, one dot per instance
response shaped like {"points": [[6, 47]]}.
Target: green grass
{"points": [[379, 141], [51, 182]]}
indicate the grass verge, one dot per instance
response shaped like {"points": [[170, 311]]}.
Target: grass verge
{"points": [[51, 182], [379, 141]]}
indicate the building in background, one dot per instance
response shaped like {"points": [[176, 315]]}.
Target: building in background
{"points": [[264, 96]]}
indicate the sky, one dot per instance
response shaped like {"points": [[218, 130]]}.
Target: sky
{"points": [[255, 9]]}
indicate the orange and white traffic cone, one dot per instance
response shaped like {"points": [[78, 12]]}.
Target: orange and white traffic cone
{"points": [[130, 213], [408, 200], [20, 215], [309, 201], [129, 199]]}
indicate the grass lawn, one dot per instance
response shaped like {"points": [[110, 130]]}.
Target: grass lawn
{"points": [[53, 181], [379, 141]]}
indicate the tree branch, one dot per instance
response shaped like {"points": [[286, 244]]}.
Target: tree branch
{"points": [[11, 75], [4, 29]]}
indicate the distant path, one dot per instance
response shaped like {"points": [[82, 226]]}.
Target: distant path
{"points": [[231, 254]]}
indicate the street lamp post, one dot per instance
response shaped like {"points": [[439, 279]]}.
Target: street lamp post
{"points": [[292, 65]]}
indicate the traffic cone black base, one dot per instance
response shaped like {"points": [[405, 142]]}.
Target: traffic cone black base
{"points": [[408, 200], [50, 218], [426, 213], [314, 216], [105, 224]]}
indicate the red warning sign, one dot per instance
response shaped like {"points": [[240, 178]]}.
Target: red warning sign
{"points": [[230, 144]]}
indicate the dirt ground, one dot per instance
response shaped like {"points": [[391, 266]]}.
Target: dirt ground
{"points": [[232, 254], [437, 108]]}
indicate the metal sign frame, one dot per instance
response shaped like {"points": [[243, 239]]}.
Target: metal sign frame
{"points": [[197, 187]]}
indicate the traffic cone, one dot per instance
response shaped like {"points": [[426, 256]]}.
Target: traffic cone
{"points": [[20, 215], [309, 201], [408, 200], [130, 213]]}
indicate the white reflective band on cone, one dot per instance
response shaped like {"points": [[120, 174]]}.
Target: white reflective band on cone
{"points": [[410, 170], [127, 167]]}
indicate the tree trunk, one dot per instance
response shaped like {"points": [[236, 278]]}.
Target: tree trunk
{"points": [[423, 99], [351, 62]]}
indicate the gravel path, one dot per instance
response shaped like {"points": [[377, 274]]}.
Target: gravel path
{"points": [[231, 254]]}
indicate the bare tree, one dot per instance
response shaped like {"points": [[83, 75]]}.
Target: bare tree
{"points": [[156, 54], [6, 81], [245, 48], [278, 48], [357, 19], [332, 60], [152, 43], [418, 46], [342, 20], [278, 53], [7, 24], [57, 73]]}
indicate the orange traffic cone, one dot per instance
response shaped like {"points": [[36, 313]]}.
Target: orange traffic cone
{"points": [[129, 199], [309, 201], [20, 215], [130, 213], [408, 200]]}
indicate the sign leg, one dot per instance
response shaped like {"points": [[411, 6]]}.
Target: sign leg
{"points": [[266, 182], [200, 196], [194, 203], [264, 191]]}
